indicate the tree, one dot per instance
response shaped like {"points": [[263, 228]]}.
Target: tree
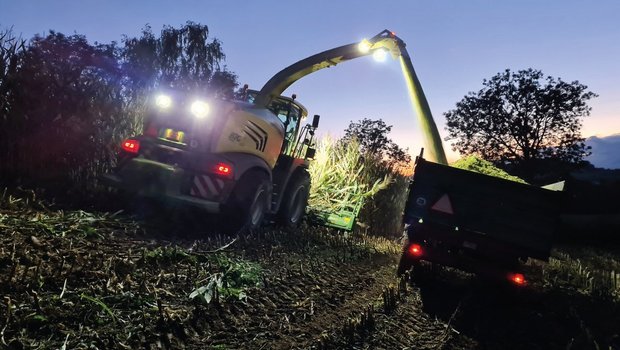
{"points": [[372, 136], [183, 59], [382, 160], [519, 119]]}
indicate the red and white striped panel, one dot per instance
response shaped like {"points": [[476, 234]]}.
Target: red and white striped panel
{"points": [[205, 186]]}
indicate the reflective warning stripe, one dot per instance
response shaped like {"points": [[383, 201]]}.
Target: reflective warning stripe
{"points": [[220, 183], [443, 205], [204, 186], [206, 183]]}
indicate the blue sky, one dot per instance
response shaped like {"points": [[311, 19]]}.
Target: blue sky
{"points": [[454, 46]]}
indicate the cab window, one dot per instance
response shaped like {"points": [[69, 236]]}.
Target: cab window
{"points": [[289, 115], [293, 123]]}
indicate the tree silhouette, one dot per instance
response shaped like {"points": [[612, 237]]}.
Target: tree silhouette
{"points": [[183, 59], [519, 119], [372, 136]]}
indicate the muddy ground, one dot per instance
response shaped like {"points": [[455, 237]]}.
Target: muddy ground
{"points": [[77, 280]]}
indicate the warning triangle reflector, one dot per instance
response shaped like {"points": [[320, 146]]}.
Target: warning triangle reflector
{"points": [[443, 205]]}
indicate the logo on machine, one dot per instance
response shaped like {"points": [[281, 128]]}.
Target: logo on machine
{"points": [[257, 134], [234, 137], [420, 201]]}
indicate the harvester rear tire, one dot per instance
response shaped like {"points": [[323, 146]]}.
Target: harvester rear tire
{"points": [[246, 208]]}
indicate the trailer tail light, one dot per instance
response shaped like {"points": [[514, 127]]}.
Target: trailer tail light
{"points": [[223, 169], [131, 146], [415, 250], [517, 278]]}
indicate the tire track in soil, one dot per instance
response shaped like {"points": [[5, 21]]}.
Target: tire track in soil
{"points": [[307, 308], [302, 307], [313, 284]]}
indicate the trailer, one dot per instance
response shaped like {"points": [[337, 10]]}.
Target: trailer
{"points": [[475, 222]]}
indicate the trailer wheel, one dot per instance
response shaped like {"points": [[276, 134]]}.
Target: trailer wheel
{"points": [[248, 202], [404, 264], [295, 201]]}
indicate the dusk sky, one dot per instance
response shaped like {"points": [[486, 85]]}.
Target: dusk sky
{"points": [[454, 46]]}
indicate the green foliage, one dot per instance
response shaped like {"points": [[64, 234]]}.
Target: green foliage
{"points": [[365, 169], [59, 223], [476, 164], [341, 178], [101, 304], [167, 255], [233, 282], [517, 118], [345, 179]]}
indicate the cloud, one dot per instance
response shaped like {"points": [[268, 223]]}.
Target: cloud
{"points": [[605, 151]]}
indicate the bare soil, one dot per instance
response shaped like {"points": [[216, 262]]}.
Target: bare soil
{"points": [[75, 280]]}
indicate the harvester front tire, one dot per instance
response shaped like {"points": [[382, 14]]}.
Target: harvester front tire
{"points": [[293, 207]]}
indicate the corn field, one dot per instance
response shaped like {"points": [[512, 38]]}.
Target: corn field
{"points": [[345, 179]]}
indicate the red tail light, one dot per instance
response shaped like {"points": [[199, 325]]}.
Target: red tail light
{"points": [[223, 169], [415, 250], [518, 279], [131, 146]]}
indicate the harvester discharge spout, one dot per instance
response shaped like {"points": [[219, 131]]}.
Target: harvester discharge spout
{"points": [[380, 43]]}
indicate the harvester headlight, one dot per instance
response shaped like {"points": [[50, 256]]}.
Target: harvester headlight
{"points": [[163, 101], [380, 55], [364, 46], [200, 109]]}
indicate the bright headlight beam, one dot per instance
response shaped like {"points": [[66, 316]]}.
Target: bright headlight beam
{"points": [[163, 101], [364, 46], [379, 55], [200, 109]]}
